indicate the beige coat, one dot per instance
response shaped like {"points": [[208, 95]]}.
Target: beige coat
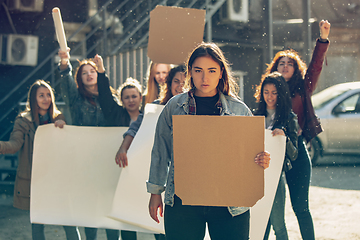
{"points": [[22, 138]]}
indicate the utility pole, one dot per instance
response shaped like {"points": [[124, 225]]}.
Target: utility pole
{"points": [[306, 30], [268, 31]]}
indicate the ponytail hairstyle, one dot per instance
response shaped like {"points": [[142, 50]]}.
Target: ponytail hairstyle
{"points": [[129, 83]]}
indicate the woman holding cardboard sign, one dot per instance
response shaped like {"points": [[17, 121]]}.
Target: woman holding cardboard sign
{"points": [[212, 93]]}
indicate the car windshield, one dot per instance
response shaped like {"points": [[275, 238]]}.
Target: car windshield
{"points": [[322, 98]]}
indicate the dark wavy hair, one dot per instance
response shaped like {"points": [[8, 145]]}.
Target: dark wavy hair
{"points": [[165, 93], [227, 84], [296, 82], [79, 83], [283, 101]]}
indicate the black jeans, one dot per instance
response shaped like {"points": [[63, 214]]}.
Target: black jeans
{"points": [[37, 231], [298, 181], [189, 222], [277, 214], [131, 235], [91, 233]]}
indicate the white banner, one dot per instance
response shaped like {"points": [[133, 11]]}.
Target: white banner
{"points": [[75, 180]]}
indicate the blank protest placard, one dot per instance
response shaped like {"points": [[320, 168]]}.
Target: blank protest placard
{"points": [[214, 160], [174, 33]]}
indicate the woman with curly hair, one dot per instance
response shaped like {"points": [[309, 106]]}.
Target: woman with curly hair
{"points": [[274, 102], [173, 86], [302, 82]]}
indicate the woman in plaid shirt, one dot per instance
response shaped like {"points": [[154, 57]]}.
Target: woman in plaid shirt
{"points": [[212, 92]]}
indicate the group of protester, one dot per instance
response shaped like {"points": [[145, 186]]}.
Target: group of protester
{"points": [[204, 86]]}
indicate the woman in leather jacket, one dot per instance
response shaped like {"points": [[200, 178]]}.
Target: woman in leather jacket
{"points": [[274, 103], [82, 97], [302, 82]]}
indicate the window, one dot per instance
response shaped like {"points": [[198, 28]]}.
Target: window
{"points": [[350, 105]]}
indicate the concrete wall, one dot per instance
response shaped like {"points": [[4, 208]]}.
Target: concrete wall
{"points": [[343, 58]]}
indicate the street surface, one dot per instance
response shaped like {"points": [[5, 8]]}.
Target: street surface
{"points": [[334, 200], [334, 205]]}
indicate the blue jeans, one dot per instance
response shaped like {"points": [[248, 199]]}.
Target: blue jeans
{"points": [[37, 231], [298, 180], [277, 215], [91, 234], [189, 222]]}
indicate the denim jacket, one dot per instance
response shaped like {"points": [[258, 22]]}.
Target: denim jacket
{"points": [[161, 177], [134, 126], [83, 113]]}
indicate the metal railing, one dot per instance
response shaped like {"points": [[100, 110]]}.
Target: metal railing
{"points": [[127, 42], [50, 58]]}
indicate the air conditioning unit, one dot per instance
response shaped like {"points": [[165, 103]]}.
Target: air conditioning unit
{"points": [[19, 49], [235, 11], [26, 5]]}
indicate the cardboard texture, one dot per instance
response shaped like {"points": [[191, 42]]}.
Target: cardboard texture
{"points": [[214, 160], [174, 33], [75, 180]]}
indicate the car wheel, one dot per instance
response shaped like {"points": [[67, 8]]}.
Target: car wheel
{"points": [[314, 149]]}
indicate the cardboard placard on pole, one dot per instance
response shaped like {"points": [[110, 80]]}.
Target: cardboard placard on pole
{"points": [[214, 160], [174, 33]]}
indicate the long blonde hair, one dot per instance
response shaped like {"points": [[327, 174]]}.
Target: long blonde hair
{"points": [[151, 92], [32, 105]]}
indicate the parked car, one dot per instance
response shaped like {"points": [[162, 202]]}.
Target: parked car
{"points": [[338, 108]]}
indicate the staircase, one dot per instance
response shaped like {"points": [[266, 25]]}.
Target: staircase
{"points": [[121, 31]]}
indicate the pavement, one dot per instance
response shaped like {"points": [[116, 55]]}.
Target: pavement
{"points": [[334, 205]]}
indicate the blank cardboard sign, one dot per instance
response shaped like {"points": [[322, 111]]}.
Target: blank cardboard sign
{"points": [[174, 33], [214, 160]]}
